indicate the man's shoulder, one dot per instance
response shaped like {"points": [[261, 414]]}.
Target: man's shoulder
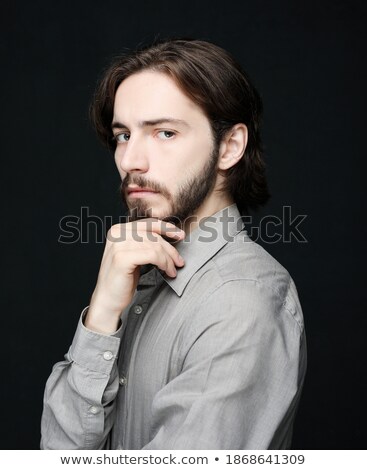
{"points": [[243, 265], [243, 281], [243, 258]]}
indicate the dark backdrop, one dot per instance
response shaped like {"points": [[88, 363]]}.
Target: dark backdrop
{"points": [[308, 61]]}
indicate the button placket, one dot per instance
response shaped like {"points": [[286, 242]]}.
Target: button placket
{"points": [[137, 309], [94, 410], [107, 355]]}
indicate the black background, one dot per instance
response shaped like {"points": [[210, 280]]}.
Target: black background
{"points": [[307, 59]]}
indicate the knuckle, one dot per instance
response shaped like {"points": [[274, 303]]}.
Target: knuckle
{"points": [[115, 231], [159, 248], [154, 256]]}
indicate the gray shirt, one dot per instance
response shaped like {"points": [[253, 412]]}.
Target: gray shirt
{"points": [[212, 359]]}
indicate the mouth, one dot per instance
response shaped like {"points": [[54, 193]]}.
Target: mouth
{"points": [[140, 192]]}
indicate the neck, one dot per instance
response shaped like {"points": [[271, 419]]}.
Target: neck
{"points": [[208, 208]]}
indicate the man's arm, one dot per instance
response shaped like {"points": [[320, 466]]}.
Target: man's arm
{"points": [[78, 410], [243, 369], [79, 398]]}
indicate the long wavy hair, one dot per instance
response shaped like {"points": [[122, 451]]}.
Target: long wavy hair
{"points": [[212, 78]]}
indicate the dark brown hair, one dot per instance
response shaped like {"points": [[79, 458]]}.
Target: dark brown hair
{"points": [[211, 77]]}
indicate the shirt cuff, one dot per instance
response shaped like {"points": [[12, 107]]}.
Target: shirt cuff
{"points": [[95, 351]]}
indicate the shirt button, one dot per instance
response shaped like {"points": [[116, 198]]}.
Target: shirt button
{"points": [[107, 355], [122, 380], [138, 309], [94, 410]]}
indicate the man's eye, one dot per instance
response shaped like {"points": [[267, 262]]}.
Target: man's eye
{"points": [[166, 134], [123, 137]]}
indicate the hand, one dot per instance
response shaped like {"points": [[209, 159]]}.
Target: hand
{"points": [[129, 246]]}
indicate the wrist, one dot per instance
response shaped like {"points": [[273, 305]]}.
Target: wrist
{"points": [[104, 324], [102, 318]]}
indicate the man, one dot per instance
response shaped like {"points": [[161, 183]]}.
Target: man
{"points": [[194, 335]]}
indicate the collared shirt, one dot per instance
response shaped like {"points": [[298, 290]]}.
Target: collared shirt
{"points": [[212, 359]]}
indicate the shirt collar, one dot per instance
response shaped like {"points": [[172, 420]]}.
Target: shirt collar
{"points": [[212, 233]]}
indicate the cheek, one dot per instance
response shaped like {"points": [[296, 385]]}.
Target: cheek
{"points": [[194, 156]]}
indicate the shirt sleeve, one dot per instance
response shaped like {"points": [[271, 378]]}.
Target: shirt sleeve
{"points": [[78, 408], [244, 361]]}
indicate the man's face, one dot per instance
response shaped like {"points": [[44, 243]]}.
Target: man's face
{"points": [[177, 160]]}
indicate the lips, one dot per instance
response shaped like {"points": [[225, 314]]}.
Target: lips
{"points": [[137, 192], [140, 190]]}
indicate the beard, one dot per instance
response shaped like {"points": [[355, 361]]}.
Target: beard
{"points": [[190, 195]]}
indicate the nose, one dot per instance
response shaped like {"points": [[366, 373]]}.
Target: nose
{"points": [[132, 156]]}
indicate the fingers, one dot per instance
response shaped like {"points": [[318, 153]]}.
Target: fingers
{"points": [[163, 261], [173, 252], [146, 240], [159, 253], [156, 255], [158, 226]]}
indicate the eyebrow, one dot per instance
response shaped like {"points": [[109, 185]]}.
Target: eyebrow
{"points": [[152, 122]]}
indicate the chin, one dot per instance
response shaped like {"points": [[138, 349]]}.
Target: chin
{"points": [[143, 211]]}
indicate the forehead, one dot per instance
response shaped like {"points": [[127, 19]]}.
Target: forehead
{"points": [[148, 95]]}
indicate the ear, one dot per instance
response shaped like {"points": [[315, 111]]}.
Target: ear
{"points": [[233, 146]]}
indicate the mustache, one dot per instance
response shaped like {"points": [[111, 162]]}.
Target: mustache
{"points": [[142, 183]]}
